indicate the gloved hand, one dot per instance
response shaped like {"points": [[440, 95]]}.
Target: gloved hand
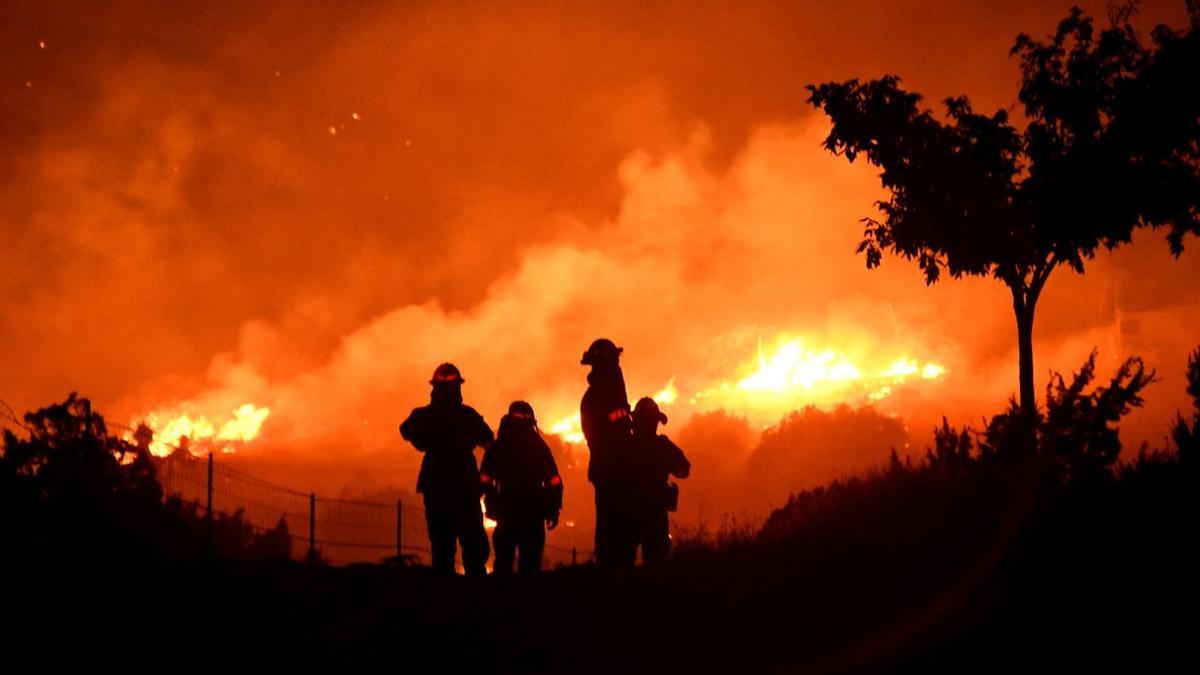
{"points": [[552, 521]]}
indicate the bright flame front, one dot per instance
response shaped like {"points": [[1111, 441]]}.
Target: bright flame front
{"points": [[242, 424], [792, 374], [570, 428]]}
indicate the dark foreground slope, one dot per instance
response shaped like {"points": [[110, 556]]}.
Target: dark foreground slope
{"points": [[891, 573], [1021, 548]]}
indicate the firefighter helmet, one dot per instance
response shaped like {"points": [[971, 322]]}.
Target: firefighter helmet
{"points": [[447, 373], [648, 407], [522, 411], [602, 348]]}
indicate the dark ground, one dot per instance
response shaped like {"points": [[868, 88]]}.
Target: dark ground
{"points": [[1092, 582]]}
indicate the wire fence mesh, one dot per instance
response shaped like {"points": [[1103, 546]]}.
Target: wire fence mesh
{"points": [[342, 531]]}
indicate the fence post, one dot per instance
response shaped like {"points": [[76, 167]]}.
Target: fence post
{"points": [[312, 526], [399, 530], [208, 516]]}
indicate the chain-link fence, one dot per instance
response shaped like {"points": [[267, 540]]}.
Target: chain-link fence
{"points": [[339, 531]]}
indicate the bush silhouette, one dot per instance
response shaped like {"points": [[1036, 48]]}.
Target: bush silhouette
{"points": [[972, 477], [71, 491], [1186, 434]]}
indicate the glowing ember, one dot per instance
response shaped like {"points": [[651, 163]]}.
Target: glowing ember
{"points": [[243, 425]]}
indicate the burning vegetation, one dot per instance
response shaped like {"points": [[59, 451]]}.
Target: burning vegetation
{"points": [[200, 434]]}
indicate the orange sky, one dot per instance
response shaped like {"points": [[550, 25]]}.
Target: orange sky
{"points": [[308, 207]]}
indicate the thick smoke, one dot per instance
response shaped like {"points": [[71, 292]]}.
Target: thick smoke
{"points": [[309, 209], [696, 264]]}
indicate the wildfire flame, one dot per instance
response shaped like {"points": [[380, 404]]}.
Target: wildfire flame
{"points": [[667, 395], [242, 425], [792, 374], [773, 381], [789, 375], [570, 428]]}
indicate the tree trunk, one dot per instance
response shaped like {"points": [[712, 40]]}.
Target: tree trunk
{"points": [[1024, 312]]}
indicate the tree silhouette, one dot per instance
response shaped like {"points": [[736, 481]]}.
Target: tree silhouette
{"points": [[1186, 433], [1111, 143], [68, 485], [70, 490]]}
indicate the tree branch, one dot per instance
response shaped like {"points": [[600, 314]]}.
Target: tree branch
{"points": [[1041, 274]]}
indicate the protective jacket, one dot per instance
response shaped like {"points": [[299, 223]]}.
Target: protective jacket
{"points": [[655, 459], [522, 469], [447, 432], [604, 415]]}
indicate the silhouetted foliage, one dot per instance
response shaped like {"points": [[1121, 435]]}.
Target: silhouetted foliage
{"points": [[233, 536], [1111, 143], [915, 567], [1079, 432], [69, 486], [272, 544], [69, 490], [1077, 443], [1186, 433], [951, 451], [1077, 438]]}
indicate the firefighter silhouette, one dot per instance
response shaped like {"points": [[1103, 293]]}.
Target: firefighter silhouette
{"points": [[654, 460], [447, 432], [604, 415], [522, 491]]}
